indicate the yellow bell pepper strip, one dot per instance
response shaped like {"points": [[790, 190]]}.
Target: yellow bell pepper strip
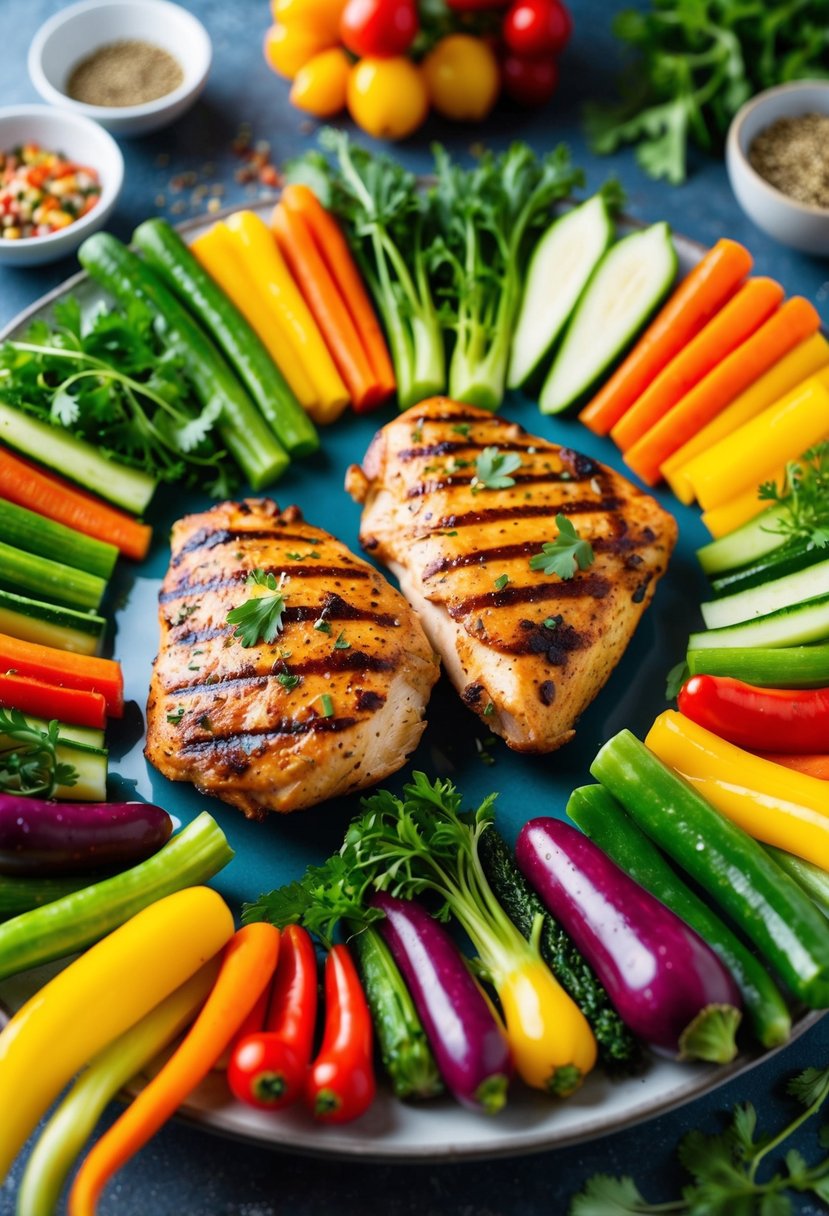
{"points": [[214, 250], [72, 1124], [247, 966], [750, 454], [741, 508], [774, 805], [99, 996], [788, 374], [256, 247], [60, 928]]}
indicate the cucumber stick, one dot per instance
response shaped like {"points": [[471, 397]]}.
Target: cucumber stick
{"points": [[780, 667], [736, 871], [88, 736], [626, 288], [46, 538], [748, 543], [61, 584], [560, 266], [90, 764], [793, 625], [760, 601], [600, 817], [50, 624], [796, 555], [77, 460]]}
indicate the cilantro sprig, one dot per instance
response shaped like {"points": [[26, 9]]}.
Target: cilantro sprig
{"points": [[259, 618], [804, 498], [29, 763], [493, 468], [566, 554], [725, 1168]]}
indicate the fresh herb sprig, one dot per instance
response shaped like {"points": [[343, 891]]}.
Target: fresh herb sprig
{"points": [[725, 1168], [259, 618], [493, 469], [105, 378], [565, 555], [695, 62], [804, 498], [29, 763]]}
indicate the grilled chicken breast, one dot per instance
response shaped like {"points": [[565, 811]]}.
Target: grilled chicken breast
{"points": [[334, 704], [527, 651]]}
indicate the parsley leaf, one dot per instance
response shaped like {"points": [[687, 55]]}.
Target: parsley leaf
{"points": [[341, 643], [29, 763], [175, 717], [260, 618], [287, 680], [803, 499], [566, 554], [676, 677], [493, 468], [501, 582]]}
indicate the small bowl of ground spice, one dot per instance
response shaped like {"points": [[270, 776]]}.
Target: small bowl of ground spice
{"points": [[132, 65], [777, 154], [60, 178]]}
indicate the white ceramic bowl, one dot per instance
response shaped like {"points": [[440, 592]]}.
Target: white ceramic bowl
{"points": [[797, 224], [79, 139], [76, 32]]}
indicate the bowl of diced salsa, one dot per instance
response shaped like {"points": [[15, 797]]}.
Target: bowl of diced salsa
{"points": [[60, 177]]}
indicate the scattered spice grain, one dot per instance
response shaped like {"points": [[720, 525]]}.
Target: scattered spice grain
{"points": [[793, 156], [125, 73]]}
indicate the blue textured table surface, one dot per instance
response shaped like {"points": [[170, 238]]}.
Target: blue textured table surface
{"points": [[185, 1171]]}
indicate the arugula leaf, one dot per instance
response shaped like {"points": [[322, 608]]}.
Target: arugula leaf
{"points": [[260, 618], [29, 763], [493, 468], [566, 554]]}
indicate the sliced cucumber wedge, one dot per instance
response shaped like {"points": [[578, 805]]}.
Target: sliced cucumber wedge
{"points": [[628, 285], [770, 597], [787, 559], [560, 266], [795, 625], [49, 624], [748, 543]]}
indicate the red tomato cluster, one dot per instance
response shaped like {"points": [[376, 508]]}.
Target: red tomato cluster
{"points": [[387, 62]]}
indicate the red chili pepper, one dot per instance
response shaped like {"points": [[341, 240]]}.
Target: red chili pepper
{"points": [[269, 1064], [760, 719], [341, 1081]]}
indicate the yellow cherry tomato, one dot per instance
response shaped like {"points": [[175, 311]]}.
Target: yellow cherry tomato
{"points": [[461, 74], [321, 84], [388, 98], [289, 47], [320, 15]]}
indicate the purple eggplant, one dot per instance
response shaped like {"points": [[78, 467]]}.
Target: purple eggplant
{"points": [[39, 838], [665, 982], [468, 1043]]}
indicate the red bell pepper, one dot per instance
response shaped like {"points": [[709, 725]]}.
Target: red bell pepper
{"points": [[812, 766], [759, 719], [341, 1081]]}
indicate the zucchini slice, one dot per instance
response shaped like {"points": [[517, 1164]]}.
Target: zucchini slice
{"points": [[51, 625], [626, 288], [560, 266]]}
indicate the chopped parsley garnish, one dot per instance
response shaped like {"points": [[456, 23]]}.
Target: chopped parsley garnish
{"points": [[341, 643], [551, 622], [489, 709], [175, 717], [194, 666], [301, 557], [566, 554], [327, 705], [493, 468], [183, 613], [462, 428], [501, 582], [322, 626], [260, 618], [287, 680]]}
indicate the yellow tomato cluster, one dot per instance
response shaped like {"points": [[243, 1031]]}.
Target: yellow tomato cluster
{"points": [[387, 97]]}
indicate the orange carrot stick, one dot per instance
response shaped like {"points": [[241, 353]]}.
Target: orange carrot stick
{"points": [[736, 321], [813, 766], [793, 321], [322, 295], [334, 250], [73, 705], [697, 299], [247, 965], [65, 668], [24, 483]]}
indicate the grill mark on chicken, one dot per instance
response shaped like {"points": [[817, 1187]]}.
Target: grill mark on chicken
{"points": [[211, 538], [240, 576], [247, 740], [332, 608], [481, 557], [336, 661], [477, 418], [447, 447], [592, 585], [448, 483], [470, 519]]}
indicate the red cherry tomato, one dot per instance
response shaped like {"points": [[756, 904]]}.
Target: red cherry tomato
{"points": [[379, 29], [264, 1071], [537, 27], [529, 81]]}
